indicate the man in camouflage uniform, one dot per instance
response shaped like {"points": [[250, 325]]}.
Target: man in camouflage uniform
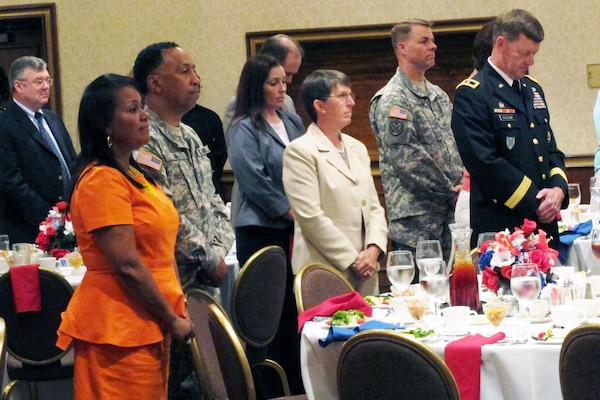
{"points": [[420, 166], [166, 76]]}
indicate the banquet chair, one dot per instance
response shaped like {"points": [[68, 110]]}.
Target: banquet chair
{"points": [[233, 362], [204, 354], [31, 336], [579, 363], [316, 282], [256, 307], [382, 364], [2, 351]]}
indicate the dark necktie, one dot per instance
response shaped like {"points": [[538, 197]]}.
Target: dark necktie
{"points": [[39, 119], [516, 85]]}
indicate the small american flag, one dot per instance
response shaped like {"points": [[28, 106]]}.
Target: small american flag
{"points": [[398, 112], [149, 160]]}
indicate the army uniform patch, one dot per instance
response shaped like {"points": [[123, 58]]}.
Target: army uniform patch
{"points": [[396, 127], [510, 142]]}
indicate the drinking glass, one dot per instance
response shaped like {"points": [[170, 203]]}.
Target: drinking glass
{"points": [[4, 245], [495, 311], [595, 189], [400, 269], [417, 307], [574, 195], [485, 237], [595, 235], [428, 253], [436, 285], [21, 253], [526, 285]]}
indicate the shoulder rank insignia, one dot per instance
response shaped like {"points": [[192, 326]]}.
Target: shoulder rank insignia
{"points": [[149, 160], [469, 82], [532, 78]]}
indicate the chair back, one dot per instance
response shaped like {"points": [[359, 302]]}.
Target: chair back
{"points": [[204, 354], [31, 336], [317, 282], [579, 363], [232, 359], [258, 296], [382, 364], [2, 351]]}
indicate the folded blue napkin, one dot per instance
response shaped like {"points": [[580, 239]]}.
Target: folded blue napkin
{"points": [[339, 334], [568, 237]]}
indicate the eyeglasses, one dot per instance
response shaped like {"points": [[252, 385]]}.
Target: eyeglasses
{"points": [[38, 83], [342, 96]]}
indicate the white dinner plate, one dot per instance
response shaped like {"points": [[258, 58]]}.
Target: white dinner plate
{"points": [[549, 341], [540, 320], [478, 319]]}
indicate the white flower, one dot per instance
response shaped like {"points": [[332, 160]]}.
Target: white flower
{"points": [[501, 257]]}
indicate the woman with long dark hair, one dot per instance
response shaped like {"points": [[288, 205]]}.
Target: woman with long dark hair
{"points": [[258, 134]]}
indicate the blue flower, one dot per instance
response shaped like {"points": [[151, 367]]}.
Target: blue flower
{"points": [[485, 258]]}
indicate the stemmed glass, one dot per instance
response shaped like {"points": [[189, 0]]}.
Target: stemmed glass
{"points": [[574, 195], [595, 235], [400, 269], [526, 285], [595, 189], [435, 284], [428, 253]]}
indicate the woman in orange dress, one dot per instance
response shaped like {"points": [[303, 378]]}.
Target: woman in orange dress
{"points": [[130, 302]]}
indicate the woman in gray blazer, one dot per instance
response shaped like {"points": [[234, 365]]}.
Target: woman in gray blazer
{"points": [[327, 177], [258, 135]]}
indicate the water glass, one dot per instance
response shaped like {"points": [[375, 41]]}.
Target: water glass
{"points": [[21, 253], [574, 195], [4, 245], [400, 268], [428, 253]]}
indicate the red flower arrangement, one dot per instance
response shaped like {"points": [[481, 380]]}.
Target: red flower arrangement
{"points": [[56, 235], [523, 245]]}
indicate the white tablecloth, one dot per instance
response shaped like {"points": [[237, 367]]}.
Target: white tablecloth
{"points": [[512, 372], [581, 257]]}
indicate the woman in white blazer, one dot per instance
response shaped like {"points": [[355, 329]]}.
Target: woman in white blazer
{"points": [[327, 178]]}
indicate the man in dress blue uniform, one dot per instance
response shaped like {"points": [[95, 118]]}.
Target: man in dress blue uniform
{"points": [[502, 128]]}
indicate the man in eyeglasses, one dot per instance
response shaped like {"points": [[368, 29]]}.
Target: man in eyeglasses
{"points": [[36, 152], [420, 166]]}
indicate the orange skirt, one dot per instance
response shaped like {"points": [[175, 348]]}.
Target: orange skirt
{"points": [[104, 371]]}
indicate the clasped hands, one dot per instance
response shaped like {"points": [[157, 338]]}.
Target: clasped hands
{"points": [[550, 202], [365, 264]]}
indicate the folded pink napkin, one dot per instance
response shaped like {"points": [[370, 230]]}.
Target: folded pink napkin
{"points": [[463, 357], [25, 281], [346, 301]]}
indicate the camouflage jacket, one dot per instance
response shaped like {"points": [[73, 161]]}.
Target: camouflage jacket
{"points": [[419, 160], [185, 174]]}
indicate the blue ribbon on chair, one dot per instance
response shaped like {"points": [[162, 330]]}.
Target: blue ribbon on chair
{"points": [[339, 334]]}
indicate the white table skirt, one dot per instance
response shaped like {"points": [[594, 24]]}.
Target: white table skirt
{"points": [[581, 257], [512, 372]]}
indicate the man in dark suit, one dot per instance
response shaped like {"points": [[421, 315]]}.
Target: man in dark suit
{"points": [[502, 128], [36, 152], [209, 128]]}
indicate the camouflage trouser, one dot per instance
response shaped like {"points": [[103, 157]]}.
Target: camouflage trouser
{"points": [[408, 231]]}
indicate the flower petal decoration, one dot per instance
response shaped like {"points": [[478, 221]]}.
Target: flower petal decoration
{"points": [[521, 245]]}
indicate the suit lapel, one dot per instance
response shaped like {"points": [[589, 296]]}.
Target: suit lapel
{"points": [[27, 126], [331, 154]]}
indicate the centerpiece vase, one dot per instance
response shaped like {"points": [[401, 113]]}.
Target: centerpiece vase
{"points": [[464, 290]]}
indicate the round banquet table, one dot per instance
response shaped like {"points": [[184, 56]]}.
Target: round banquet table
{"points": [[512, 372]]}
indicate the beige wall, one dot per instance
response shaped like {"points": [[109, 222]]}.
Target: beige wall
{"points": [[104, 36]]}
